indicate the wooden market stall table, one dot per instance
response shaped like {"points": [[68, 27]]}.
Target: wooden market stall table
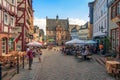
{"points": [[113, 67]]}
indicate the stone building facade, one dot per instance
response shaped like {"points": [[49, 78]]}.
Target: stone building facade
{"points": [[57, 30], [114, 25], [91, 9], [41, 34]]}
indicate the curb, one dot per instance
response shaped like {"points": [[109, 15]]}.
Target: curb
{"points": [[100, 60]]}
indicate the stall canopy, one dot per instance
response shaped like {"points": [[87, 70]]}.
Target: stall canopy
{"points": [[90, 42], [75, 41], [34, 44]]}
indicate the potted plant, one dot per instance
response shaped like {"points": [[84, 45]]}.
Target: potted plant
{"points": [[109, 59]]}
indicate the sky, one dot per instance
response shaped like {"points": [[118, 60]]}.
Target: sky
{"points": [[76, 10]]}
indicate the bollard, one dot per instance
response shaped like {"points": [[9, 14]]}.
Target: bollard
{"points": [[17, 64], [0, 71], [23, 62]]}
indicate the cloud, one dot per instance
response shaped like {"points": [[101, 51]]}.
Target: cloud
{"points": [[41, 22], [76, 21]]}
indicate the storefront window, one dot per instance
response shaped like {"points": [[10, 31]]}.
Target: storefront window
{"points": [[117, 38], [3, 45]]}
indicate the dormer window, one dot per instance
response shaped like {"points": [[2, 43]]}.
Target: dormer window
{"points": [[13, 1]]}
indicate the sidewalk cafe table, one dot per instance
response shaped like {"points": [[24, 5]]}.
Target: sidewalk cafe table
{"points": [[112, 66]]}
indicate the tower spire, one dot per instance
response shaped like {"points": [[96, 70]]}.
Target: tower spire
{"points": [[57, 16]]}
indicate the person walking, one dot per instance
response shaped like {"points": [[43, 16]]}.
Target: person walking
{"points": [[30, 58], [86, 52], [101, 49], [39, 55]]}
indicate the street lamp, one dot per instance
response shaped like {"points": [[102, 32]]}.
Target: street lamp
{"points": [[18, 60], [0, 71], [102, 30]]}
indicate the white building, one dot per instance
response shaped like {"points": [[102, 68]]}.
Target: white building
{"points": [[100, 18], [74, 33]]}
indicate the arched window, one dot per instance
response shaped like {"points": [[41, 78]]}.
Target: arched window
{"points": [[4, 45]]}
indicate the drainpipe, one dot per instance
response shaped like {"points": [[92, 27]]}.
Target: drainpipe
{"points": [[107, 19]]}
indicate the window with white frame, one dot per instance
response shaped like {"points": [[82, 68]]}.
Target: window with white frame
{"points": [[12, 21], [4, 45], [5, 19]]}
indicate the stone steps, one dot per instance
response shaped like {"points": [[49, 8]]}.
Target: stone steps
{"points": [[100, 59], [9, 74]]}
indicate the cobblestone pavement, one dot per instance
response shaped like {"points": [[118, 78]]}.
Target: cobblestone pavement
{"points": [[59, 67], [26, 74], [56, 66]]}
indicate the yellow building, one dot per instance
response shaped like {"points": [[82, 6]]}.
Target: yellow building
{"points": [[85, 32]]}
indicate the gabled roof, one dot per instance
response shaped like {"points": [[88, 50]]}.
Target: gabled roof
{"points": [[85, 26], [41, 31], [51, 24], [74, 29]]}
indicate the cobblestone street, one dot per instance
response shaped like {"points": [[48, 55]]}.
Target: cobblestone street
{"points": [[59, 67], [56, 66]]}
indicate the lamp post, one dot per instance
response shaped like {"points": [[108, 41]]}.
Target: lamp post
{"points": [[102, 30], [23, 60], [18, 61], [0, 71]]}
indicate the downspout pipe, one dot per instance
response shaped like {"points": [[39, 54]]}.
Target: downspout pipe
{"points": [[107, 19]]}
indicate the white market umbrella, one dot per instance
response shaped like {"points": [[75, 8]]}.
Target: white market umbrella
{"points": [[90, 42], [75, 41], [34, 44]]}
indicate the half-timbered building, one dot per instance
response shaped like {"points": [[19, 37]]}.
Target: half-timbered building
{"points": [[24, 24], [8, 12]]}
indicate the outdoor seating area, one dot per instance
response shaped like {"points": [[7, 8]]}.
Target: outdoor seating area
{"points": [[9, 61], [113, 68], [8, 58], [78, 52], [81, 49], [81, 57]]}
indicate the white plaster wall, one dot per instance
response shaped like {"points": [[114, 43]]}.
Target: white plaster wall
{"points": [[99, 20]]}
